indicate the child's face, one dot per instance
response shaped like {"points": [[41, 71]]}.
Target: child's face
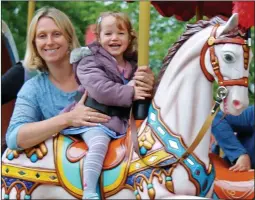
{"points": [[114, 37]]}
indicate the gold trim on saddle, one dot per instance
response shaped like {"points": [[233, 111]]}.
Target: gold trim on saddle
{"points": [[59, 146], [30, 174], [154, 157], [119, 183]]}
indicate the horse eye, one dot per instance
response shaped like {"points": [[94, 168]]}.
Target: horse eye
{"points": [[228, 58]]}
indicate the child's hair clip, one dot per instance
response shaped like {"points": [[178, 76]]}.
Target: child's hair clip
{"points": [[99, 20]]}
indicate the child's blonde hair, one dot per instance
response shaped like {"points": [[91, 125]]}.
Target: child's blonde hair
{"points": [[121, 18], [32, 59]]}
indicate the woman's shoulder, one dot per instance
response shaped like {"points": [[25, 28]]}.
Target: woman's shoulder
{"points": [[38, 81]]}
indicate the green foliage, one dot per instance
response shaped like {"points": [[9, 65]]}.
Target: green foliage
{"points": [[81, 13], [252, 68], [163, 31]]}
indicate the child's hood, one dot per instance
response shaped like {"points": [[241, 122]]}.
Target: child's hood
{"points": [[79, 53]]}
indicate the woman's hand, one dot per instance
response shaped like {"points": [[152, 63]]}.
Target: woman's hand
{"points": [[84, 116], [144, 78]]}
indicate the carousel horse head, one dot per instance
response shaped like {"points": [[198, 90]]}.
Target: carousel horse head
{"points": [[223, 55], [225, 58]]}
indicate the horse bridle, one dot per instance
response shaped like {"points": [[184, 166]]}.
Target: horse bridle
{"points": [[222, 91], [211, 42]]}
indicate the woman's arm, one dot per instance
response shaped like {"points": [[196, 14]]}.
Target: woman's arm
{"points": [[31, 134], [34, 133], [27, 129]]}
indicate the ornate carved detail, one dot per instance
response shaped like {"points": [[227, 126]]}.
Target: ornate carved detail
{"points": [[37, 152], [20, 185], [31, 174], [11, 154], [146, 141], [147, 176], [169, 182], [33, 153]]}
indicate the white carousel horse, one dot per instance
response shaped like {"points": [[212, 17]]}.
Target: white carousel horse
{"points": [[183, 100]]}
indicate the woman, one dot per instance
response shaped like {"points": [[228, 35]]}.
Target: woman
{"points": [[51, 37]]}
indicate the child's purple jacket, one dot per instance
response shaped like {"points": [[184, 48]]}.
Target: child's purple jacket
{"points": [[99, 75]]}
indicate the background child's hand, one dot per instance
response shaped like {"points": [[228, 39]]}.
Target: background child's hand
{"points": [[243, 163]]}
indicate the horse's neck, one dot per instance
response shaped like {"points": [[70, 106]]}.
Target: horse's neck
{"points": [[185, 98]]}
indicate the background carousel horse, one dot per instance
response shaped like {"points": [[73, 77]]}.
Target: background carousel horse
{"points": [[183, 99], [10, 57]]}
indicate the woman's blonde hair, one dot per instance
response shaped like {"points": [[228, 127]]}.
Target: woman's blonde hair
{"points": [[121, 18], [32, 59]]}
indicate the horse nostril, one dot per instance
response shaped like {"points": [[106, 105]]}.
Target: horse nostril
{"points": [[237, 104]]}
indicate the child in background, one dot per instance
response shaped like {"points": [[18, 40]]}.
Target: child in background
{"points": [[235, 135]]}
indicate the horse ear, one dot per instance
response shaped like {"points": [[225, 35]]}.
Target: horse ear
{"points": [[231, 24]]}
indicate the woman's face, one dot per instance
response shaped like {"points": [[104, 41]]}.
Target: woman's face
{"points": [[114, 39], [50, 42]]}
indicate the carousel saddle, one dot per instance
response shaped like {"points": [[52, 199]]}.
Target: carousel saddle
{"points": [[115, 154], [69, 153]]}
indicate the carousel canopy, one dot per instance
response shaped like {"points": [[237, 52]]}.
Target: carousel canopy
{"points": [[185, 10]]}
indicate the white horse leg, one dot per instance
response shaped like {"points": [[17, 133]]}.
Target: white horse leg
{"points": [[42, 192], [183, 187], [51, 192], [123, 194], [182, 184], [185, 197]]}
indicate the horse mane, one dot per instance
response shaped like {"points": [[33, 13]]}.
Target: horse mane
{"points": [[191, 29]]}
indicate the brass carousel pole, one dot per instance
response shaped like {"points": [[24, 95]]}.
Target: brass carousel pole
{"points": [[144, 33], [140, 109], [31, 9], [199, 10]]}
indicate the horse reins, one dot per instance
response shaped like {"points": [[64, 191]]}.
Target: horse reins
{"points": [[221, 92], [211, 42]]}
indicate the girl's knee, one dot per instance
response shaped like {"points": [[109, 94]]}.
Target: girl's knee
{"points": [[99, 140]]}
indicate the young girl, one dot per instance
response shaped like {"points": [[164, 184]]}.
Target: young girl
{"points": [[105, 71]]}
